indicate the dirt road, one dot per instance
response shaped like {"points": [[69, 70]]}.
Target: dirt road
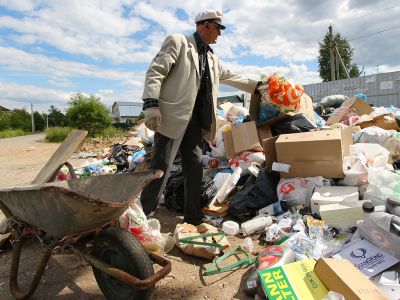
{"points": [[21, 158]]}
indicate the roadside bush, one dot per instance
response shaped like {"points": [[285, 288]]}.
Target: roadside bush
{"points": [[88, 113], [11, 133], [57, 134]]}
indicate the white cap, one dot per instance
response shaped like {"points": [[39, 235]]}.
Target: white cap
{"points": [[209, 14]]}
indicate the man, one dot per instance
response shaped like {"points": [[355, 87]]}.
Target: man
{"points": [[180, 104]]}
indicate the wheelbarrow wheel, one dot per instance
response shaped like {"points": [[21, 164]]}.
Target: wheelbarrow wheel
{"points": [[121, 250]]}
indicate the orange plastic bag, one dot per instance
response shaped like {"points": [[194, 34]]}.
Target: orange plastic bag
{"points": [[282, 93]]}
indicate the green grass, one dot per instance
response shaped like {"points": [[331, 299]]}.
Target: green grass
{"points": [[57, 134], [9, 133], [111, 132]]}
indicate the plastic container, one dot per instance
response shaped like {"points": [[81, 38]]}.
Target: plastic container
{"points": [[230, 227], [255, 224]]}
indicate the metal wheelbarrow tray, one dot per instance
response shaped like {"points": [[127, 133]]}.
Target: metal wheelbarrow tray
{"points": [[66, 209]]}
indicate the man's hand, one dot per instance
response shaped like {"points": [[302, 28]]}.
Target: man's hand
{"points": [[152, 118]]}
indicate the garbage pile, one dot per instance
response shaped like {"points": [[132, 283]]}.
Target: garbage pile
{"points": [[317, 193]]}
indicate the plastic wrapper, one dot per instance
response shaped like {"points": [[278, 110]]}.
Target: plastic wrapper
{"points": [[245, 160], [362, 156], [382, 185], [373, 134]]}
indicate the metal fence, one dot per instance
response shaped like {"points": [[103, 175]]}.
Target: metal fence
{"points": [[381, 89]]}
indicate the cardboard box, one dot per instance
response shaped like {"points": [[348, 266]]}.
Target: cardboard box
{"points": [[305, 107], [314, 153], [342, 215], [339, 275], [292, 281], [324, 195], [387, 122], [245, 137], [352, 106], [228, 144]]}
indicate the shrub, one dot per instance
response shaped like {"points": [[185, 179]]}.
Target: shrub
{"points": [[88, 113], [57, 134], [11, 133]]}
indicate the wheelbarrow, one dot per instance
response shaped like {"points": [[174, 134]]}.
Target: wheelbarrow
{"points": [[64, 210]]}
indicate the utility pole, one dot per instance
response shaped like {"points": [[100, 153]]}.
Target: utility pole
{"points": [[341, 62], [331, 54], [337, 64], [33, 119]]}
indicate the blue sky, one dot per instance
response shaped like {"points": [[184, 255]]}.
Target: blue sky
{"points": [[51, 49]]}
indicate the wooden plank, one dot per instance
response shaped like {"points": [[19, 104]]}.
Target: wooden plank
{"points": [[62, 154]]}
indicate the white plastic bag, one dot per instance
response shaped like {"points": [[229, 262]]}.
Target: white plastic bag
{"points": [[298, 191], [362, 156], [145, 134], [382, 185], [373, 134]]}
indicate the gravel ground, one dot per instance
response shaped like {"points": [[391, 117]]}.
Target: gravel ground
{"points": [[21, 158]]}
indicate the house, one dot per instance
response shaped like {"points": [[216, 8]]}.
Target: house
{"points": [[3, 109], [126, 112]]}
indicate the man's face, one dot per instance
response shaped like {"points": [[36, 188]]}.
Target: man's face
{"points": [[213, 30]]}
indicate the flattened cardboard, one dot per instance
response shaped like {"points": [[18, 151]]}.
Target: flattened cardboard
{"points": [[387, 121], [245, 137], [339, 275], [355, 104]]}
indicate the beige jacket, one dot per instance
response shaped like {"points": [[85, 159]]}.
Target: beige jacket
{"points": [[173, 78]]}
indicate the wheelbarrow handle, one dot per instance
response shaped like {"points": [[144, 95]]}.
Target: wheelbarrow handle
{"points": [[134, 282]]}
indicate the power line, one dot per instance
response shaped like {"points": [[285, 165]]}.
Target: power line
{"points": [[363, 36], [366, 15]]}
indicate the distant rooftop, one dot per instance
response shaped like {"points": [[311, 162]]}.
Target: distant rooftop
{"points": [[2, 108]]}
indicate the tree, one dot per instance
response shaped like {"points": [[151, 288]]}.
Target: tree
{"points": [[40, 121], [346, 52], [56, 117], [21, 119], [5, 120], [87, 113]]}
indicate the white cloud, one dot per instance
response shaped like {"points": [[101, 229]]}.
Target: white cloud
{"points": [[40, 64], [70, 42], [24, 95]]}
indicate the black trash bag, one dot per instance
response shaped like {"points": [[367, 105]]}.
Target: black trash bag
{"points": [[119, 156], [174, 194], [256, 193], [292, 124]]}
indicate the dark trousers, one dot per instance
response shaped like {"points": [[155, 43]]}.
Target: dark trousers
{"points": [[191, 154]]}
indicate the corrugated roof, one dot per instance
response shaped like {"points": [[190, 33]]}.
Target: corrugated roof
{"points": [[130, 111]]}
